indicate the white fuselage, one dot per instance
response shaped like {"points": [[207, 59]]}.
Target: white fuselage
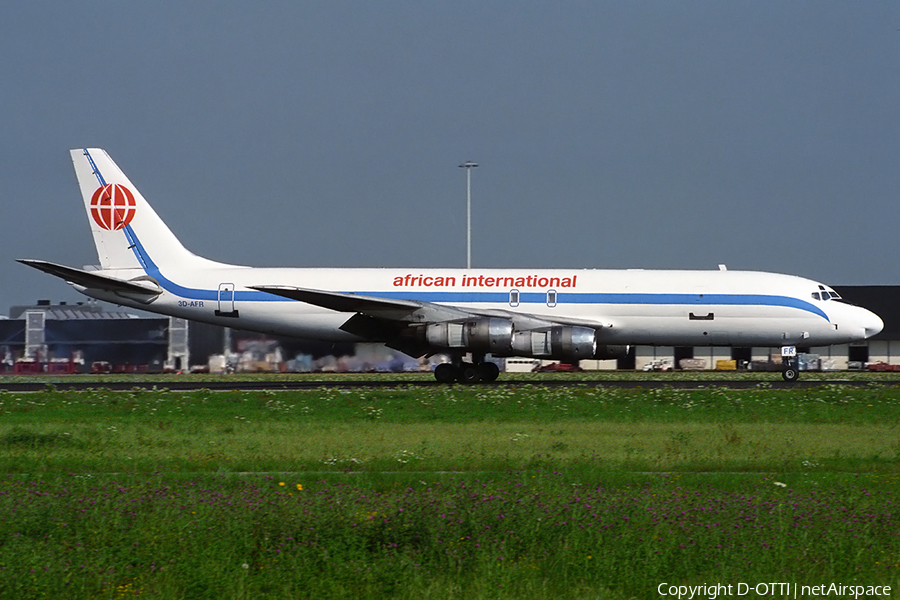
{"points": [[686, 308]]}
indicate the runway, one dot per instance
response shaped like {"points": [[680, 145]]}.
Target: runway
{"points": [[225, 384]]}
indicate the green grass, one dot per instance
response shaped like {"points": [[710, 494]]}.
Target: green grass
{"points": [[527, 534], [457, 428], [446, 492], [623, 375]]}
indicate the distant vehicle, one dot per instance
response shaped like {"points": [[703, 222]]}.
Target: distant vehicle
{"points": [[660, 364], [882, 366], [562, 315], [521, 365], [560, 367]]}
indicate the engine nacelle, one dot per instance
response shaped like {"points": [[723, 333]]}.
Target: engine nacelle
{"points": [[561, 342], [487, 335], [573, 342], [607, 352]]}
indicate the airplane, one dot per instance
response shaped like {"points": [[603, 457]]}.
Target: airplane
{"points": [[467, 314]]}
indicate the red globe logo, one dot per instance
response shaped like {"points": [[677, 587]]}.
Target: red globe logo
{"points": [[112, 206]]}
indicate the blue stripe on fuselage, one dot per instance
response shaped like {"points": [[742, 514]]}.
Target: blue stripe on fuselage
{"points": [[608, 298]]}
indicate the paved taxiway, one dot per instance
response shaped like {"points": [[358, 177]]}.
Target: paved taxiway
{"points": [[226, 385]]}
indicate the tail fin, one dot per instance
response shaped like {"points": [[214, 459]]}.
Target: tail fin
{"points": [[127, 231]]}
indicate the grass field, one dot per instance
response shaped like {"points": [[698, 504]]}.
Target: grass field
{"points": [[446, 492]]}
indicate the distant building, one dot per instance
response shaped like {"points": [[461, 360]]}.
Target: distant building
{"points": [[88, 331], [92, 332]]}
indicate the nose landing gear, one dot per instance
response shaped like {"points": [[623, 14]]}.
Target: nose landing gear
{"points": [[790, 364]]}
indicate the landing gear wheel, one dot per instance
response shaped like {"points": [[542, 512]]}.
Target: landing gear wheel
{"points": [[468, 373], [489, 371], [445, 373], [790, 374]]}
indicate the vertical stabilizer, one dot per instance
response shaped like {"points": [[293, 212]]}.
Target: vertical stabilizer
{"points": [[127, 231]]}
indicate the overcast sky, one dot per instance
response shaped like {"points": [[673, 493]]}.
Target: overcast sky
{"points": [[762, 135]]}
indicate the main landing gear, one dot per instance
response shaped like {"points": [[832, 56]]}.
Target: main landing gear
{"points": [[479, 371]]}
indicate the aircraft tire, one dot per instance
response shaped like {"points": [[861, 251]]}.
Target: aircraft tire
{"points": [[468, 373], [790, 374], [489, 372], [445, 373]]}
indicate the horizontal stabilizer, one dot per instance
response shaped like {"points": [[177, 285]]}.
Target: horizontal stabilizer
{"points": [[94, 280]]}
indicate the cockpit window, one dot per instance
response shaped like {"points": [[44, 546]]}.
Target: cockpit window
{"points": [[825, 293]]}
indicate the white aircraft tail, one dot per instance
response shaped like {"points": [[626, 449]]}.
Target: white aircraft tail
{"points": [[127, 231]]}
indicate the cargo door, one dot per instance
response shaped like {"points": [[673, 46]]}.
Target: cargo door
{"points": [[226, 306]]}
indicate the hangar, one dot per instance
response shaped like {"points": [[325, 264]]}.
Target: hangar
{"points": [[73, 338]]}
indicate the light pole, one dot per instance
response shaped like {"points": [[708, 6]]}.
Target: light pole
{"points": [[468, 165]]}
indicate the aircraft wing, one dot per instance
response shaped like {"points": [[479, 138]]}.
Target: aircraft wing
{"points": [[92, 280], [412, 311], [381, 308]]}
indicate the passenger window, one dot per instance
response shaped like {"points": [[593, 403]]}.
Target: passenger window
{"points": [[514, 298], [551, 298]]}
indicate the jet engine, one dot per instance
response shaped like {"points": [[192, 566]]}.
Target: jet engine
{"points": [[573, 342], [497, 336], [484, 335], [562, 342]]}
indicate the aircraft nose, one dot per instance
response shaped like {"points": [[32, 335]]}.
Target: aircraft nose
{"points": [[872, 323]]}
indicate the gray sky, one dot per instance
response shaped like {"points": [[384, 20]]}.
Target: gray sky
{"points": [[763, 135]]}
